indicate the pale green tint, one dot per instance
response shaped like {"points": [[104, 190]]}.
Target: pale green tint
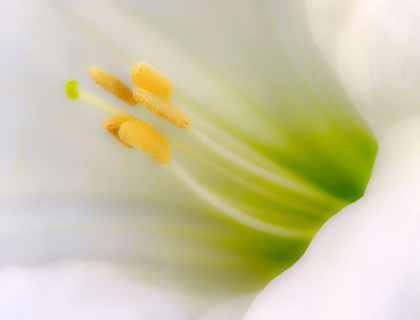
{"points": [[71, 90]]}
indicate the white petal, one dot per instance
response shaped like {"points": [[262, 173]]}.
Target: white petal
{"points": [[177, 247], [82, 290], [365, 262], [234, 309], [372, 45]]}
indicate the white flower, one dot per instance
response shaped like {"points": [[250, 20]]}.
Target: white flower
{"points": [[365, 262], [277, 149]]}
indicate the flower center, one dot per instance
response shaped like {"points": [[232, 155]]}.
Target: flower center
{"points": [[153, 90], [260, 177]]}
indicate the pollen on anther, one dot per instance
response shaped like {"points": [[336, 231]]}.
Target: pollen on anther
{"points": [[144, 76], [112, 84], [112, 125], [144, 137], [162, 108]]}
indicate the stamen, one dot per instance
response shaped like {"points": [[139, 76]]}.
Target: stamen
{"points": [[132, 132], [112, 84], [234, 213], [249, 166], [153, 90], [162, 108], [147, 139], [144, 76], [296, 204], [112, 125], [74, 93], [289, 182]]}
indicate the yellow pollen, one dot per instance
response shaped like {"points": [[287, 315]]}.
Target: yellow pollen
{"points": [[144, 76], [144, 137], [112, 125], [112, 84], [162, 108]]}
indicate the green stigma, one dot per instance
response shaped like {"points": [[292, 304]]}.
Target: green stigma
{"points": [[71, 90]]}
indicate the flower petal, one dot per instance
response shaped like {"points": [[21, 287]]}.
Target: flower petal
{"points": [[372, 45], [234, 309], [364, 263], [177, 245], [86, 290]]}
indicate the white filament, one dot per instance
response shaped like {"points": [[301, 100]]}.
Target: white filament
{"points": [[234, 213]]}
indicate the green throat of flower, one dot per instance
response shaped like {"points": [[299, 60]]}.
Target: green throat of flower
{"points": [[296, 207]]}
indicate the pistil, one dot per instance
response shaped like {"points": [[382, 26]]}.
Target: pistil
{"points": [[128, 130]]}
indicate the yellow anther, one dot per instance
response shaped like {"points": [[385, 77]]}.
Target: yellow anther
{"points": [[112, 84], [144, 76], [129, 130], [162, 108], [112, 125], [144, 137]]}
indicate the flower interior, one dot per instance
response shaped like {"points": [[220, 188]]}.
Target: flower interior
{"points": [[272, 200]]}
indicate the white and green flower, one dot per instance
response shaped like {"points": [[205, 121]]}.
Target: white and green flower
{"points": [[93, 230], [365, 263]]}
